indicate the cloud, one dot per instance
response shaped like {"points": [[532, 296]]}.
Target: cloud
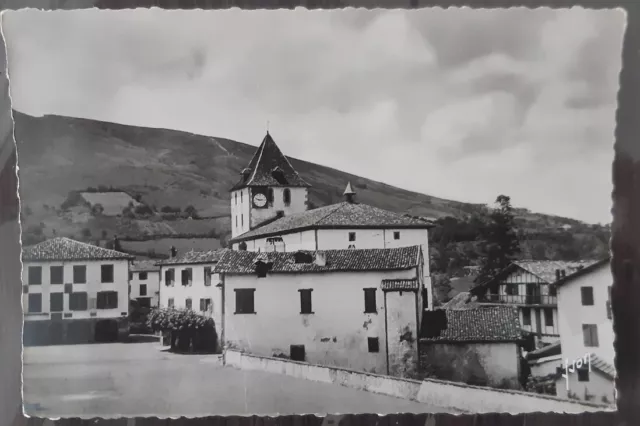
{"points": [[457, 103]]}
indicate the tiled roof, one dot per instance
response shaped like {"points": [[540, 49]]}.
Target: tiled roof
{"points": [[144, 266], [603, 366], [243, 262], [546, 269], [194, 257], [267, 159], [486, 324], [62, 248], [341, 215], [399, 285], [587, 269]]}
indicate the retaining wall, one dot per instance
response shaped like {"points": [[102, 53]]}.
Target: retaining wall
{"points": [[459, 396]]}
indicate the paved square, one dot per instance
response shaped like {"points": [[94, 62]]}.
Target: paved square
{"points": [[137, 379]]}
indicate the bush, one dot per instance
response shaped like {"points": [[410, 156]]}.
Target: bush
{"points": [[189, 331]]}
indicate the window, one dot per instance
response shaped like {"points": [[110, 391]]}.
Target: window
{"points": [[187, 274], [207, 276], [590, 335], [78, 301], [526, 316], [79, 274], [35, 303], [297, 353], [205, 305], [608, 304], [57, 275], [56, 302], [241, 220], [586, 294], [396, 235], [236, 221], [35, 275], [374, 344], [188, 303], [245, 301], [548, 317], [270, 196], [583, 374], [370, 301], [169, 276], [106, 273], [352, 236], [286, 196], [553, 290], [241, 197], [236, 198], [130, 276], [305, 301], [170, 302], [142, 276], [511, 289], [107, 300], [143, 289]]}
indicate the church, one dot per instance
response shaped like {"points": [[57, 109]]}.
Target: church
{"points": [[269, 213]]}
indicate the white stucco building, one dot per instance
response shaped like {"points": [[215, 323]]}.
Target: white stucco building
{"points": [[269, 213], [74, 291], [188, 282], [353, 308], [144, 283], [532, 287], [586, 332]]}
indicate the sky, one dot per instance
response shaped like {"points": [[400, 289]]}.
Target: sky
{"points": [[461, 104]]}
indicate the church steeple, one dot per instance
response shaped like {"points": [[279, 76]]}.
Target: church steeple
{"points": [[349, 194]]}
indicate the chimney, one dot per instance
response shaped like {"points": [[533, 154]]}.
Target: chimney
{"points": [[349, 194], [173, 252], [321, 258]]}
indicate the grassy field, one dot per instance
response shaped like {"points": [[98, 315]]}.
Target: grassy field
{"points": [[163, 245]]}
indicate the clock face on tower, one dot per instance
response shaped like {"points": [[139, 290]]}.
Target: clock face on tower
{"points": [[260, 200]]}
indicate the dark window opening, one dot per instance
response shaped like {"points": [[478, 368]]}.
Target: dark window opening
{"points": [[586, 294], [79, 274], [553, 290], [526, 316], [107, 300], [78, 301], [35, 275], [270, 196], [143, 289], [352, 236], [241, 220], [278, 175], [57, 275], [297, 353], [302, 257], [205, 305], [548, 317], [262, 268], [396, 235], [583, 374], [590, 335], [35, 303], [207, 276], [512, 289], [370, 301], [286, 196], [305, 301], [374, 344], [170, 302], [187, 275], [242, 246], [106, 273], [245, 301], [169, 276], [142, 276], [188, 303]]}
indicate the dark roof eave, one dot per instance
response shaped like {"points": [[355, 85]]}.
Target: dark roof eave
{"points": [[199, 262], [78, 259], [311, 227], [469, 341], [320, 272]]}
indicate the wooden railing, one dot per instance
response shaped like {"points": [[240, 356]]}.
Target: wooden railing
{"points": [[529, 299]]}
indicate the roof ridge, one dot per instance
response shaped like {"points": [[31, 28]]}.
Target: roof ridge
{"points": [[255, 168], [337, 206]]}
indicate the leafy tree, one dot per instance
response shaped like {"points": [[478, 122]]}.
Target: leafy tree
{"points": [[191, 212], [97, 209], [500, 244]]}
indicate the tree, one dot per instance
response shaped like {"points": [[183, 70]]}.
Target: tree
{"points": [[191, 212], [97, 209], [500, 244]]}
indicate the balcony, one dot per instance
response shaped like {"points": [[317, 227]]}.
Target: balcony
{"points": [[529, 299]]}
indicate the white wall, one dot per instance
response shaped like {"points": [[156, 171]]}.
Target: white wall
{"points": [[545, 366], [153, 286], [298, 205], [305, 240], [599, 389], [92, 287], [240, 212], [335, 334], [196, 291], [573, 315]]}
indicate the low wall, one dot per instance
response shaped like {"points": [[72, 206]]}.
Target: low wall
{"points": [[458, 396]]}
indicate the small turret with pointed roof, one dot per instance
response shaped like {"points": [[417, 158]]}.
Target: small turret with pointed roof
{"points": [[349, 194]]}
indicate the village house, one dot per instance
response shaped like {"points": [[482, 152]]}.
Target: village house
{"points": [[269, 212], [74, 292], [586, 333], [144, 283], [480, 346], [354, 308], [531, 286], [187, 282]]}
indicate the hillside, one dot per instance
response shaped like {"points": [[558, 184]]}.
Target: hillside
{"points": [[167, 169]]}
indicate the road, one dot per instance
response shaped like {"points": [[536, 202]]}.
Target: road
{"points": [[138, 379]]}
